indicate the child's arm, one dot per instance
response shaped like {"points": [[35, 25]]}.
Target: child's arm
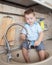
{"points": [[39, 39]]}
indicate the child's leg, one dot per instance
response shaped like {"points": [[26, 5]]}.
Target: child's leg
{"points": [[25, 54], [42, 54], [25, 48], [41, 51]]}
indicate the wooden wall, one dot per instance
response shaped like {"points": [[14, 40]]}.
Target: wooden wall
{"points": [[39, 12], [6, 21]]}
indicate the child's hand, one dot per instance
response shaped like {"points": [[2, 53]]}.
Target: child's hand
{"points": [[22, 36], [36, 43]]}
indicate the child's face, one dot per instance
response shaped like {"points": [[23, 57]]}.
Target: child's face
{"points": [[30, 18]]}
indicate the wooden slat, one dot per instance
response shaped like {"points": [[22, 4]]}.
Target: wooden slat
{"points": [[6, 21]]}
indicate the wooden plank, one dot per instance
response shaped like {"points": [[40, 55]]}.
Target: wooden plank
{"points": [[6, 21]]}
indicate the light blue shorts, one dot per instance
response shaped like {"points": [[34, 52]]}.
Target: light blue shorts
{"points": [[26, 45]]}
